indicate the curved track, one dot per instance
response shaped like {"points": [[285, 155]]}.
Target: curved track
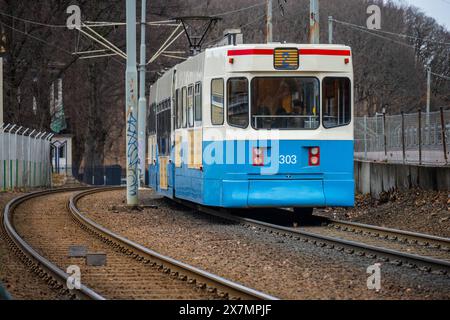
{"points": [[42, 267], [203, 279], [41, 238], [425, 261]]}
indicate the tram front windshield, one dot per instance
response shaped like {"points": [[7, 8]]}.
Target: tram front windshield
{"points": [[285, 103]]}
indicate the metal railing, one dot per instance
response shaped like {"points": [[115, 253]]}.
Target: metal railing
{"points": [[24, 157], [417, 138]]}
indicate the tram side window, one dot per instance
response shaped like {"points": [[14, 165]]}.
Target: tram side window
{"points": [[217, 102], [190, 105], [151, 120], [237, 103], [336, 102], [184, 105], [163, 132], [179, 109], [198, 101]]}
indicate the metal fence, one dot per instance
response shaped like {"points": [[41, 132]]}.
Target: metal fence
{"points": [[417, 138], [25, 158]]}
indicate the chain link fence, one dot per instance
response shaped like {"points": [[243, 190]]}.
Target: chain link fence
{"points": [[24, 157], [417, 138]]}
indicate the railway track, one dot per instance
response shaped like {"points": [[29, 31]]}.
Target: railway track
{"points": [[402, 248], [418, 243], [41, 238], [43, 268]]}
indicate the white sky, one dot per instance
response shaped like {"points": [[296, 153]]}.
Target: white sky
{"points": [[438, 9]]}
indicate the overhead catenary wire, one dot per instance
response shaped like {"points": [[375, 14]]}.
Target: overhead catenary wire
{"points": [[440, 76], [35, 38], [366, 30], [390, 33], [99, 56], [103, 44], [173, 56], [240, 10], [253, 21], [105, 40], [94, 23], [91, 51], [163, 49], [42, 24], [57, 47], [362, 29], [164, 45], [166, 23]]}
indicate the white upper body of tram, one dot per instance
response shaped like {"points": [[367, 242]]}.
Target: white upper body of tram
{"points": [[288, 106]]}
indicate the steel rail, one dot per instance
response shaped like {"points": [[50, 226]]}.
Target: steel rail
{"points": [[396, 257], [31, 253], [424, 239], [201, 277]]}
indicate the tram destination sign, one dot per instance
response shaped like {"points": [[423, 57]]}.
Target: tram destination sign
{"points": [[286, 59]]}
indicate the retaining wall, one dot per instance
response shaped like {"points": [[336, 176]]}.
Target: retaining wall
{"points": [[375, 177]]}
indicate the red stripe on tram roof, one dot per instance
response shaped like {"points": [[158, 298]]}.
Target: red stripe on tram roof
{"points": [[264, 52], [247, 52], [325, 52]]}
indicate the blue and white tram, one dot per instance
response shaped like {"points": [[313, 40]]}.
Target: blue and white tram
{"points": [[264, 125]]}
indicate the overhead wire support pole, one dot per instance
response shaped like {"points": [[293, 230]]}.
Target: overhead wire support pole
{"points": [[131, 108], [428, 89], [142, 98], [314, 18], [1, 90], [269, 30], [330, 29], [427, 122]]}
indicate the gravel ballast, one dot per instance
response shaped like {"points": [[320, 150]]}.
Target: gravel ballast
{"points": [[279, 266]]}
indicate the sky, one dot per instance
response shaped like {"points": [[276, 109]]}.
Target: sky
{"points": [[438, 9]]}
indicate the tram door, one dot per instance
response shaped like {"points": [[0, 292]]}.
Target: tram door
{"points": [[171, 166], [163, 129]]}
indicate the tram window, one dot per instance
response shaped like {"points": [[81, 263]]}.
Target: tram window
{"points": [[184, 105], [217, 102], [163, 132], [62, 152], [336, 102], [237, 103], [198, 101], [179, 111], [190, 105], [151, 120], [285, 103]]}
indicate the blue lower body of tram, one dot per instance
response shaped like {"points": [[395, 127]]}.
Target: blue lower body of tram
{"points": [[232, 181]]}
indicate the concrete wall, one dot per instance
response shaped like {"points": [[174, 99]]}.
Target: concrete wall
{"points": [[375, 178]]}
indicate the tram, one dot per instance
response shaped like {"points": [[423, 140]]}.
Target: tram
{"points": [[263, 125]]}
